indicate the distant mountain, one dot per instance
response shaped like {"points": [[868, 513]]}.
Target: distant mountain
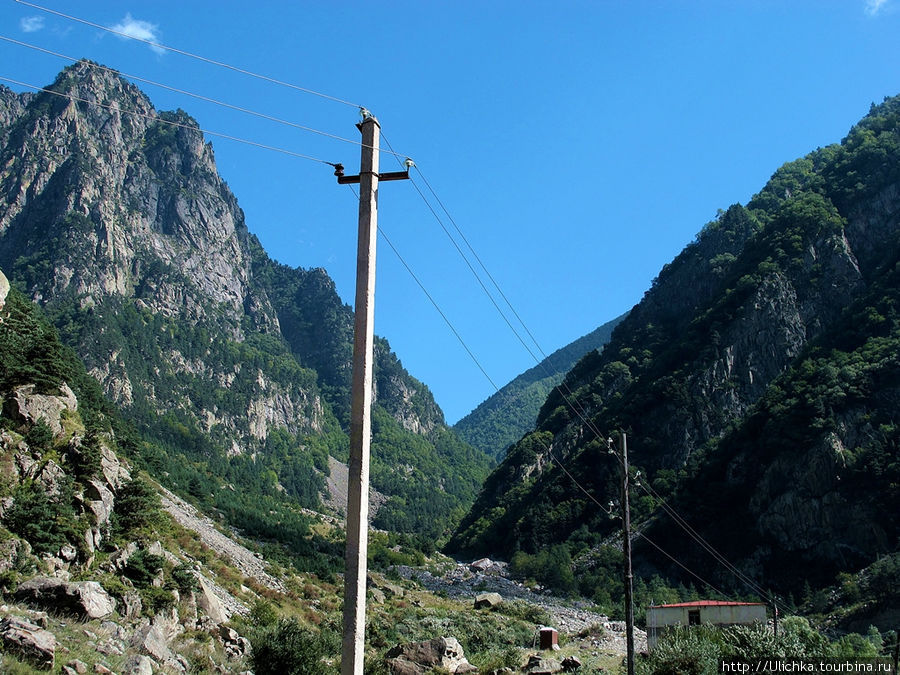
{"points": [[502, 419], [114, 219], [758, 381]]}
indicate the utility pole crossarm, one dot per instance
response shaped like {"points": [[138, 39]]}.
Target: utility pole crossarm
{"points": [[353, 180]]}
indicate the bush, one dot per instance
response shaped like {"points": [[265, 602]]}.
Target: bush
{"points": [[44, 521], [263, 614], [137, 507], [287, 648], [155, 600], [142, 567], [184, 578]]}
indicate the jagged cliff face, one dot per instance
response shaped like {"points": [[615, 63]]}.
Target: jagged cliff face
{"points": [[105, 206], [114, 219], [742, 343], [118, 189]]}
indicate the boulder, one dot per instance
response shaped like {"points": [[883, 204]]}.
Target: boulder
{"points": [[420, 657], [538, 665], [29, 641], [101, 501], [209, 602], [373, 581], [139, 665], [83, 599], [487, 600], [132, 605], [78, 666], [570, 664], [68, 552], [151, 639]]}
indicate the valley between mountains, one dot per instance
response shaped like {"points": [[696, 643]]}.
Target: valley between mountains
{"points": [[175, 413]]}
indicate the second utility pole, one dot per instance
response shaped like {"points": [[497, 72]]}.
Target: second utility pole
{"points": [[354, 640], [626, 550]]}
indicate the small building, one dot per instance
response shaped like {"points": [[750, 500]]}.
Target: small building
{"points": [[716, 612], [549, 638]]}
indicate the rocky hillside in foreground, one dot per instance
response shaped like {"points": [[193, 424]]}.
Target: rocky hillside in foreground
{"points": [[503, 418], [758, 383], [114, 219], [104, 571]]}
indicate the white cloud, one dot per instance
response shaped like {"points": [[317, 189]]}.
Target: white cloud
{"points": [[140, 30], [31, 24], [873, 7]]}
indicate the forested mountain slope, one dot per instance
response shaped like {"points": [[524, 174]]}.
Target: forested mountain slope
{"points": [[113, 218], [758, 381], [504, 417]]}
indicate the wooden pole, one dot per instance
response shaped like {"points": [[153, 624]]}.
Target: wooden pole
{"points": [[354, 640], [626, 550]]}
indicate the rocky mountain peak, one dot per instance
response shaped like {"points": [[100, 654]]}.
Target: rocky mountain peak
{"points": [[130, 199], [113, 217]]}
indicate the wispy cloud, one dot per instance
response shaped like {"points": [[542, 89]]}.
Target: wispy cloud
{"points": [[873, 7], [31, 24], [140, 30]]}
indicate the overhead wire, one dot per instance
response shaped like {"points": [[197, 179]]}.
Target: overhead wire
{"points": [[574, 405], [431, 299], [156, 118], [547, 448], [159, 45], [185, 92], [569, 397]]}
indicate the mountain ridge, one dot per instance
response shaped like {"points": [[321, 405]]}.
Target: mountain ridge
{"points": [[779, 316], [489, 426], [115, 220]]}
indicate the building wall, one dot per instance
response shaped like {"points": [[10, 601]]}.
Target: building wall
{"points": [[660, 619]]}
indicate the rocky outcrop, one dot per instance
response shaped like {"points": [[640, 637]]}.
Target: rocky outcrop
{"points": [[488, 600], [28, 641], [4, 289], [83, 599], [209, 602], [421, 657], [33, 407]]}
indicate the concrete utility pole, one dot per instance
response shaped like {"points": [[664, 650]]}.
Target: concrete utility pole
{"points": [[354, 640], [626, 550]]}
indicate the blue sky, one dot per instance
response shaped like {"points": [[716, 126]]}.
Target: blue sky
{"points": [[579, 146]]}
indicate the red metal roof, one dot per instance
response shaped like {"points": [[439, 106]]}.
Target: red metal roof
{"points": [[709, 603]]}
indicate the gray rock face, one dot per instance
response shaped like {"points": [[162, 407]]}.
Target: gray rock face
{"points": [[29, 641], [83, 599], [142, 220], [487, 600], [420, 657], [210, 603], [101, 501], [4, 289], [34, 407]]}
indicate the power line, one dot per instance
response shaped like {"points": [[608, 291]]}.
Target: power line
{"points": [[432, 300], [572, 402], [572, 405], [536, 434], [156, 118], [205, 59], [200, 97]]}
